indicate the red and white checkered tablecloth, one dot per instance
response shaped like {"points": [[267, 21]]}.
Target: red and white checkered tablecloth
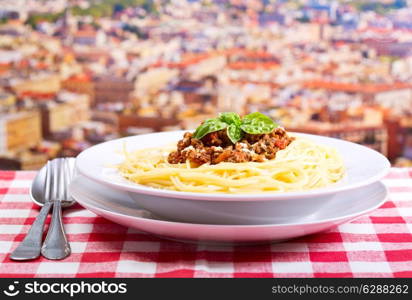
{"points": [[374, 245]]}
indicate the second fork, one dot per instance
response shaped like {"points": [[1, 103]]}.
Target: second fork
{"points": [[61, 171]]}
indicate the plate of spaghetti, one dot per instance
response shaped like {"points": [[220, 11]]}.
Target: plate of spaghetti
{"points": [[232, 158]]}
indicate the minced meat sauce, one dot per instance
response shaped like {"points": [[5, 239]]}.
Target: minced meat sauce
{"points": [[216, 147]]}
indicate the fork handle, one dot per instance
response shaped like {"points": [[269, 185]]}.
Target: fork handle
{"points": [[29, 248], [56, 245]]}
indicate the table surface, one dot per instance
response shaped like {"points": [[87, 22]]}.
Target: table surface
{"points": [[374, 245]]}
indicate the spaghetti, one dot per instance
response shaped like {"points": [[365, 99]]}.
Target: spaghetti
{"points": [[302, 165]]}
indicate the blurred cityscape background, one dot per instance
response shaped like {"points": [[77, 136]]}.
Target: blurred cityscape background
{"points": [[76, 73]]}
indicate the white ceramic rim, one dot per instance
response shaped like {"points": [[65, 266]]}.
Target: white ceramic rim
{"points": [[141, 189], [217, 226]]}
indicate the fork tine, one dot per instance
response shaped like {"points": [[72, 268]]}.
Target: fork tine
{"points": [[67, 178], [71, 172], [63, 173], [53, 180], [57, 177], [62, 179], [47, 190]]}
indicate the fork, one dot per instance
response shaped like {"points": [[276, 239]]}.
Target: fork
{"points": [[55, 245]]}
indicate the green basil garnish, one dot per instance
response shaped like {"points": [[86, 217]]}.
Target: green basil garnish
{"points": [[234, 133], [208, 126], [257, 123], [254, 123], [230, 118]]}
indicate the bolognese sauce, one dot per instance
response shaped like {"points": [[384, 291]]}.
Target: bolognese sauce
{"points": [[216, 147]]}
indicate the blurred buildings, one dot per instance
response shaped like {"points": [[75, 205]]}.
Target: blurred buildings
{"points": [[75, 73]]}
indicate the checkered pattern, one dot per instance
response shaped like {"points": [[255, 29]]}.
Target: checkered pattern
{"points": [[376, 245]]}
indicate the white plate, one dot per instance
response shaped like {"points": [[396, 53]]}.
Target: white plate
{"points": [[118, 207], [363, 166]]}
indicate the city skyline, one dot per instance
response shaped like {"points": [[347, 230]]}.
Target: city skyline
{"points": [[75, 73]]}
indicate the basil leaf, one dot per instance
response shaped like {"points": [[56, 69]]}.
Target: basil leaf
{"points": [[234, 133], [257, 123], [230, 118], [208, 126]]}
